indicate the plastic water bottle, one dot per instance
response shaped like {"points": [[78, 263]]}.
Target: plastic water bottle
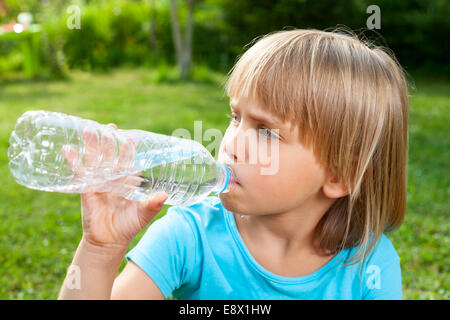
{"points": [[132, 163]]}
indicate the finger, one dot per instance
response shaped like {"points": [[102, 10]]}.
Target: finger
{"points": [[127, 185], [98, 187], [72, 158], [113, 125], [149, 208], [91, 147], [157, 198], [108, 149], [121, 186], [127, 155]]}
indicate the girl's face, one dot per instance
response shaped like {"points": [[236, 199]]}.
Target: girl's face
{"points": [[274, 172]]}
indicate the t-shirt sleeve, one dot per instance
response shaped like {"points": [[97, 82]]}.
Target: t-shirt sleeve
{"points": [[167, 251], [384, 283], [383, 276]]}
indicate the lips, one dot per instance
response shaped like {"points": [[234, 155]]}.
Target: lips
{"points": [[233, 179]]}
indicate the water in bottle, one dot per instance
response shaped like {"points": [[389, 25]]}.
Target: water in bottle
{"points": [[132, 163]]}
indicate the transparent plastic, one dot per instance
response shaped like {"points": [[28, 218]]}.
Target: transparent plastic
{"points": [[182, 168]]}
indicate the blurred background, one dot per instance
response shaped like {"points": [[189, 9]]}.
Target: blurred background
{"points": [[159, 65]]}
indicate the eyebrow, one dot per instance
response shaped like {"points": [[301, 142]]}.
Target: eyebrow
{"points": [[262, 119]]}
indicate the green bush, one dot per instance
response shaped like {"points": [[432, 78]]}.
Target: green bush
{"points": [[87, 47], [165, 73], [11, 61], [53, 64], [114, 34]]}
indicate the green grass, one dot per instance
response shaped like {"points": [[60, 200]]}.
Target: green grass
{"points": [[423, 240], [39, 231]]}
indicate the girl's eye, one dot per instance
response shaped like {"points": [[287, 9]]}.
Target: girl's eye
{"points": [[232, 117], [268, 133], [264, 131]]}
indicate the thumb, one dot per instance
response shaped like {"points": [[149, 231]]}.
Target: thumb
{"points": [[149, 208]]}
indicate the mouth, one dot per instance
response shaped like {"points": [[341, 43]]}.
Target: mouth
{"points": [[234, 180]]}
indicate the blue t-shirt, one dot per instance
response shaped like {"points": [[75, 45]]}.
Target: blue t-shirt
{"points": [[196, 252]]}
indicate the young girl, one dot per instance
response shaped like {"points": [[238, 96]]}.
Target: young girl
{"points": [[337, 108]]}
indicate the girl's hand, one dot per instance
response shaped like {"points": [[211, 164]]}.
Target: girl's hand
{"points": [[109, 220]]}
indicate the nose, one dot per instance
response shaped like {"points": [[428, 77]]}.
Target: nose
{"points": [[228, 154], [236, 145]]}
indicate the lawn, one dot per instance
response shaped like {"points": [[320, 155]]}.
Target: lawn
{"points": [[39, 231]]}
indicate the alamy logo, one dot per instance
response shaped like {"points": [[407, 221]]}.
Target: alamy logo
{"points": [[260, 149], [74, 20], [73, 279], [374, 278], [374, 20]]}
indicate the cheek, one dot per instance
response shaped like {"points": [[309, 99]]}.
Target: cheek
{"points": [[298, 176], [271, 187], [271, 193], [304, 174]]}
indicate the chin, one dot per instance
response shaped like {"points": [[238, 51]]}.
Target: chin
{"points": [[230, 203]]}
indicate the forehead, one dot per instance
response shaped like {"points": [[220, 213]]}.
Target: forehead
{"points": [[255, 110]]}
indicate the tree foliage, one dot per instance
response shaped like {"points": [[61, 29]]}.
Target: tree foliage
{"points": [[139, 32]]}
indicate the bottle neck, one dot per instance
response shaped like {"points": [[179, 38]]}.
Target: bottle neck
{"points": [[224, 176]]}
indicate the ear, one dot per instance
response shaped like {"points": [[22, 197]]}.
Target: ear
{"points": [[334, 188]]}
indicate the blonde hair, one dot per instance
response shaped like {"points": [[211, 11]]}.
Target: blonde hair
{"points": [[350, 101]]}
